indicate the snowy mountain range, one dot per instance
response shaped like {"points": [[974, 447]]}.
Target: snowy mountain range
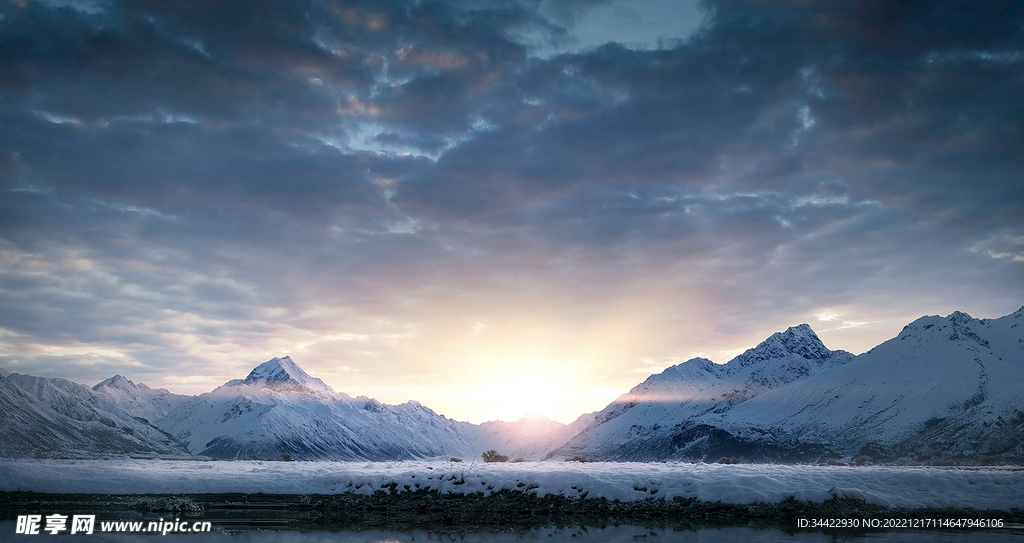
{"points": [[949, 389], [944, 389], [666, 415], [277, 411], [57, 417], [280, 410]]}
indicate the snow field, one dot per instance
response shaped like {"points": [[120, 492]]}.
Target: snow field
{"points": [[986, 488]]}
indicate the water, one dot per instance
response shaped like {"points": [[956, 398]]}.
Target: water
{"points": [[611, 534]]}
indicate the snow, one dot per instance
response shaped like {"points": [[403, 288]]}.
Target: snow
{"points": [[120, 393], [524, 438], [643, 424], [118, 381], [277, 410], [946, 388], [59, 416], [936, 368], [269, 418], [797, 340], [283, 373], [983, 488]]}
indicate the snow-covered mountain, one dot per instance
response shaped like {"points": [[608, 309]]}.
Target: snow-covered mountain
{"points": [[947, 388], [282, 374], [118, 392], [662, 417], [528, 438], [61, 418], [278, 409], [944, 389]]}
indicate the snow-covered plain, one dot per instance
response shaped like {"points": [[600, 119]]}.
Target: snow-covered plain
{"points": [[983, 488]]}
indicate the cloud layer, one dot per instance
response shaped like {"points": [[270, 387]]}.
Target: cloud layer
{"points": [[451, 201]]}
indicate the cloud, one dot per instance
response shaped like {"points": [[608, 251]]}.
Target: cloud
{"points": [[390, 188]]}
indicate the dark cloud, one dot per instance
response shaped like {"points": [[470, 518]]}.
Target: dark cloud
{"points": [[376, 182]]}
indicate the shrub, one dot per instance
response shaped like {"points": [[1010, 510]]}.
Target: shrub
{"points": [[454, 459], [493, 456], [579, 459]]}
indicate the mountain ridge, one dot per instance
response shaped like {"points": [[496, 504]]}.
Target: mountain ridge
{"points": [[944, 387], [645, 423]]}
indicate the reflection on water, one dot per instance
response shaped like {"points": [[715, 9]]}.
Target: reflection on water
{"points": [[610, 534]]}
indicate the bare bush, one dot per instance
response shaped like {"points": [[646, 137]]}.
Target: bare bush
{"points": [[493, 456]]}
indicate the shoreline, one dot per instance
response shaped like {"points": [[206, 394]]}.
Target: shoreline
{"points": [[505, 510], [894, 487]]}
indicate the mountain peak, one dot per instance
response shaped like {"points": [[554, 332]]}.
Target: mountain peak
{"points": [[4, 373], [282, 372], [528, 427], [534, 425], [799, 340], [801, 332], [535, 420], [693, 370], [118, 381], [959, 317]]}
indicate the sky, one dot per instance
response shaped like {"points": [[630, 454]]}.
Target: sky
{"points": [[496, 207]]}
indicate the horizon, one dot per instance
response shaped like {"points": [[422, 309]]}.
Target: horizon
{"points": [[496, 207], [525, 415]]}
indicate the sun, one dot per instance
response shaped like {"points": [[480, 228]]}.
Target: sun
{"points": [[515, 388]]}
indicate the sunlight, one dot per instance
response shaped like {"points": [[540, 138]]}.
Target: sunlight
{"points": [[513, 397], [509, 390]]}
